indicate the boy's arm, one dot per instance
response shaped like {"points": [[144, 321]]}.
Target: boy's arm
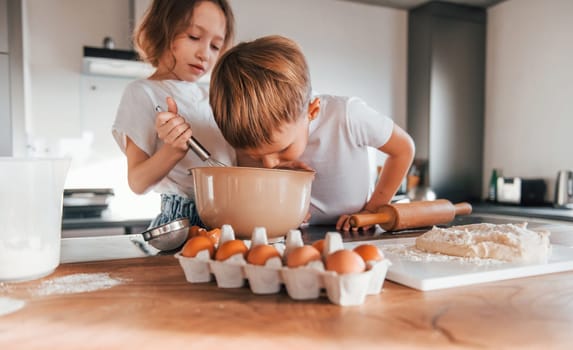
{"points": [[400, 150]]}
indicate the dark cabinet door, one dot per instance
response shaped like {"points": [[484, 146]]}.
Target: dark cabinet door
{"points": [[5, 119], [446, 70], [3, 26]]}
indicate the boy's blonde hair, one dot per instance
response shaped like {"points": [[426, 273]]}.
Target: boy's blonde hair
{"points": [[165, 19], [257, 87]]}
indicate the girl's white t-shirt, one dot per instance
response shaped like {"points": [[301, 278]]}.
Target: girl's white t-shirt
{"points": [[337, 149], [136, 119]]}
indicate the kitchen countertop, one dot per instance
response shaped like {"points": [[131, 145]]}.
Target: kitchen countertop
{"points": [[135, 224], [154, 307], [540, 212], [104, 222]]}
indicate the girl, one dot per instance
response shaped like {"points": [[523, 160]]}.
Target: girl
{"points": [[182, 39]]}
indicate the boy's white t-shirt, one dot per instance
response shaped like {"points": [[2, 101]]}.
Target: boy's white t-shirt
{"points": [[136, 119], [338, 150]]}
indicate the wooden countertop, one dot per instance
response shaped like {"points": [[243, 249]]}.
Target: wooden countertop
{"points": [[155, 308]]}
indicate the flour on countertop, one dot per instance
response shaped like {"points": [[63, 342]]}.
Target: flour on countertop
{"points": [[77, 283], [508, 242], [9, 305], [5, 288], [411, 253]]}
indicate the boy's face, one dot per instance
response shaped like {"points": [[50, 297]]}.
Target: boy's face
{"points": [[288, 143], [287, 146]]}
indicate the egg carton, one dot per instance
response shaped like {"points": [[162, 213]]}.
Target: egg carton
{"points": [[301, 283]]}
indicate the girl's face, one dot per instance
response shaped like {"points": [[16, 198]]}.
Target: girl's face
{"points": [[197, 48]]}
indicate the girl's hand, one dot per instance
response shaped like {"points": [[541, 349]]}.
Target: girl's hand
{"points": [[172, 128]]}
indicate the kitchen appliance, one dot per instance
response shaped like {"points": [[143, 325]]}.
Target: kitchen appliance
{"points": [[421, 193], [521, 191], [31, 216], [114, 63], [564, 189], [86, 202], [400, 216]]}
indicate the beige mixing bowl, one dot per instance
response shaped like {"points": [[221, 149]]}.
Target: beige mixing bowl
{"points": [[246, 198]]}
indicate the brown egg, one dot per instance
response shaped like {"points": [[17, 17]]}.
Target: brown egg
{"points": [[345, 261], [197, 244], [195, 230], [259, 254], [319, 245], [300, 256], [213, 235], [230, 248], [369, 252]]}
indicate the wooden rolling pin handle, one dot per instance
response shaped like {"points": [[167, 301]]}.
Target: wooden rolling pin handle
{"points": [[463, 208], [360, 220]]}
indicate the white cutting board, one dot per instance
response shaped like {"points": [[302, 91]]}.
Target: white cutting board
{"points": [[431, 274]]}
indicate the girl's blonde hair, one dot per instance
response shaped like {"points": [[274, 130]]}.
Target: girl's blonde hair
{"points": [[257, 87], [165, 19]]}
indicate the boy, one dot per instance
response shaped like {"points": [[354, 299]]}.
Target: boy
{"points": [[262, 101]]}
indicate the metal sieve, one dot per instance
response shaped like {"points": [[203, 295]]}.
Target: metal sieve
{"points": [[168, 236]]}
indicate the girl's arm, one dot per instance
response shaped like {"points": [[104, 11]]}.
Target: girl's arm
{"points": [[400, 150], [144, 171]]}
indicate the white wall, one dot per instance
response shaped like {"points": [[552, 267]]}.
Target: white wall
{"points": [[57, 32], [70, 114], [529, 89], [352, 49]]}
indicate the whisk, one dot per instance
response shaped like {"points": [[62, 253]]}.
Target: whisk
{"points": [[199, 150]]}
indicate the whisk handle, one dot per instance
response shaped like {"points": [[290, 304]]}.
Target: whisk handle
{"points": [[199, 150]]}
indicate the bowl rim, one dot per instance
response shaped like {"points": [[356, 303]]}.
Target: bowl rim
{"points": [[248, 168]]}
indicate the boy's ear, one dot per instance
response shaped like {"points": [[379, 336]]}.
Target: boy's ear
{"points": [[313, 108]]}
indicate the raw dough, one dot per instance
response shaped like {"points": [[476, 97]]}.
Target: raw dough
{"points": [[509, 242]]}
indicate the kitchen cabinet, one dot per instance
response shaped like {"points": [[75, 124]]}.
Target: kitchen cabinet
{"points": [[5, 118], [3, 27], [12, 125], [102, 226], [446, 65]]}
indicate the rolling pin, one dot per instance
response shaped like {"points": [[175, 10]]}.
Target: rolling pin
{"points": [[401, 216]]}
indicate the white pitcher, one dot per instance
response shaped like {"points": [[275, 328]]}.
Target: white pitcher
{"points": [[31, 196]]}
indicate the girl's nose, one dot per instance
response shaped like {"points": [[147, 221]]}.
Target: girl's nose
{"points": [[270, 161], [203, 52]]}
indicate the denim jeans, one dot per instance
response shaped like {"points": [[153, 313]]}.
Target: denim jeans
{"points": [[175, 207]]}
